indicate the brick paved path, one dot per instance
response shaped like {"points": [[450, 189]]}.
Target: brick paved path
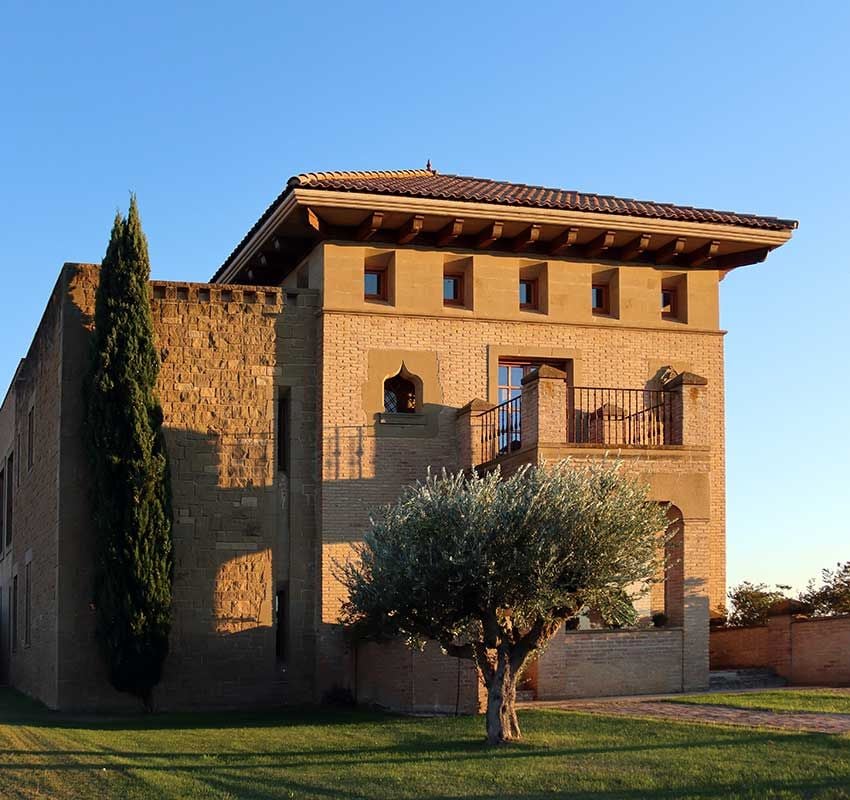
{"points": [[725, 715]]}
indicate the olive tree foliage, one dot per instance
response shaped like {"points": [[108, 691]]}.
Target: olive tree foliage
{"points": [[491, 567]]}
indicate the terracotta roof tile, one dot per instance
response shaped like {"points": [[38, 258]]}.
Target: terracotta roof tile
{"points": [[429, 184], [432, 185]]}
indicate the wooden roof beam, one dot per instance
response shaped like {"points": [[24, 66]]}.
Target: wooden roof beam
{"points": [[370, 226], [599, 245], [670, 251], [489, 234], [703, 254], [635, 248], [411, 229], [315, 222], [733, 260], [448, 233], [563, 241], [526, 238]]}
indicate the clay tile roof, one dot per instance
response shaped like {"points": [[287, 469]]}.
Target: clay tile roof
{"points": [[429, 184]]}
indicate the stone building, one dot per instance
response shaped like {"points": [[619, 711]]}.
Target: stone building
{"points": [[368, 326]]}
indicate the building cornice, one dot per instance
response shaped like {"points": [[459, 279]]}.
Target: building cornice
{"points": [[323, 198]]}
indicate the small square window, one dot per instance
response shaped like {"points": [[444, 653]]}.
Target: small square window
{"points": [[453, 290], [669, 303], [599, 299], [374, 285], [528, 294]]}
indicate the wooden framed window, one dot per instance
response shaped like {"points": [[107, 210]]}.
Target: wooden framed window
{"points": [[453, 290], [375, 284], [30, 439], [599, 300], [513, 370], [399, 395], [528, 293], [669, 303]]}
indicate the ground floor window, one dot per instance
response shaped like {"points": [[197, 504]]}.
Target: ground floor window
{"points": [[13, 613], [28, 604], [280, 620]]}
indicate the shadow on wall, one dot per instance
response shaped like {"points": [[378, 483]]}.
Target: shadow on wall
{"points": [[223, 647], [366, 466]]}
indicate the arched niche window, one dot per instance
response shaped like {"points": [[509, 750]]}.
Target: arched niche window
{"points": [[400, 393]]}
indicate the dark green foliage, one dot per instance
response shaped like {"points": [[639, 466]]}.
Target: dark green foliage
{"points": [[833, 595], [131, 498], [751, 602]]}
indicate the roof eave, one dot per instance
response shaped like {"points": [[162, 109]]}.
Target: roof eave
{"points": [[296, 197]]}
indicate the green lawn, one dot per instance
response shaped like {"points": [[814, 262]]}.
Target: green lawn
{"points": [[360, 755], [786, 700]]}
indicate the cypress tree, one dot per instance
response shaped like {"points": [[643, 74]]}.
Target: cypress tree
{"points": [[131, 498]]}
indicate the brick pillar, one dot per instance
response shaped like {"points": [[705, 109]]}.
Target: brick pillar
{"points": [[779, 644], [468, 427], [695, 606], [544, 407], [689, 421]]}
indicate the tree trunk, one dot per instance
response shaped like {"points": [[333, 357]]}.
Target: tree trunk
{"points": [[502, 723]]}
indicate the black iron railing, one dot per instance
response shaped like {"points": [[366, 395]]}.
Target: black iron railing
{"points": [[619, 417], [501, 429], [595, 415]]}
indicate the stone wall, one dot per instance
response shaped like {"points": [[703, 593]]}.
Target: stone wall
{"points": [[219, 349]]}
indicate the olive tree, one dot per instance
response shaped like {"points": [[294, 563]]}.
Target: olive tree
{"points": [[491, 567]]}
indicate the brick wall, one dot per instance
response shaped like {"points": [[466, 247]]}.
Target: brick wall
{"points": [[364, 465], [245, 530], [391, 675], [739, 648], [597, 663], [820, 651], [813, 652], [32, 667]]}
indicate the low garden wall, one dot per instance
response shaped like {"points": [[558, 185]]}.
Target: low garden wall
{"points": [[594, 663], [739, 648], [814, 652], [393, 676]]}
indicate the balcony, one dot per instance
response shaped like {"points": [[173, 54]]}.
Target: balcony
{"points": [[552, 419]]}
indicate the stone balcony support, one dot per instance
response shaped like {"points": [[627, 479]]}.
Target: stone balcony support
{"points": [[690, 411], [468, 427], [544, 407]]}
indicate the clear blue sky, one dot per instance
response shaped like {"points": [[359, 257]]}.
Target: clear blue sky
{"points": [[205, 109]]}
